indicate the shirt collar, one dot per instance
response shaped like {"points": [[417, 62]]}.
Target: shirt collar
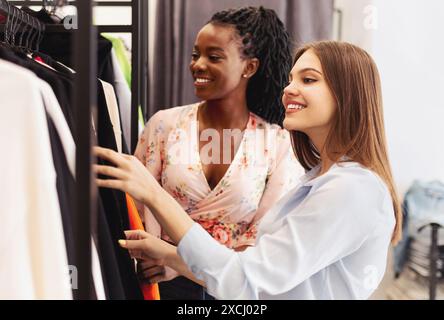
{"points": [[310, 177]]}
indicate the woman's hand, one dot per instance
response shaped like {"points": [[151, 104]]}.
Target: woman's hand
{"points": [[144, 246], [129, 175], [148, 271], [156, 252]]}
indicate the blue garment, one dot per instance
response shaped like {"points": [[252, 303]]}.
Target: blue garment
{"points": [[326, 239], [423, 205]]}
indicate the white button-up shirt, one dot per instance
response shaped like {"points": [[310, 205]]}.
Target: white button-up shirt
{"points": [[326, 239]]}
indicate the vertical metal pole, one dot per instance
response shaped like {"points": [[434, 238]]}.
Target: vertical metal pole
{"points": [[434, 255], [85, 62], [135, 72], [144, 32]]}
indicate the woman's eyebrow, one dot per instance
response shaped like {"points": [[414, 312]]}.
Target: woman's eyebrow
{"points": [[309, 69], [215, 49]]}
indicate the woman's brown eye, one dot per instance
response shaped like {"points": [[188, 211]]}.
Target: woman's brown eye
{"points": [[309, 80]]}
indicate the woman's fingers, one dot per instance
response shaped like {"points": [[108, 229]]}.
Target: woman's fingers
{"points": [[135, 234], [111, 184], [143, 265], [153, 271], [155, 279], [109, 171], [108, 154], [132, 244], [153, 274]]}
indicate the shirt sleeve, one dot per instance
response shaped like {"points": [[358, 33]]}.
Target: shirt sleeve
{"points": [[283, 175], [149, 152], [331, 223]]}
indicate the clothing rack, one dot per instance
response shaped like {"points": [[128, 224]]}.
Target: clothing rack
{"points": [[85, 64], [139, 52], [434, 257]]}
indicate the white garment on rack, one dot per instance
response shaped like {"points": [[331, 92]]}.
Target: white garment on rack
{"points": [[33, 257], [113, 111], [124, 96], [55, 112]]}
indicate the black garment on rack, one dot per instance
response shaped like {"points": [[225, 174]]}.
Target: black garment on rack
{"points": [[110, 267], [114, 203], [60, 83], [65, 190], [59, 47]]}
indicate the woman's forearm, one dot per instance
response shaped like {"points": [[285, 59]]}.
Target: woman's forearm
{"points": [[170, 215]]}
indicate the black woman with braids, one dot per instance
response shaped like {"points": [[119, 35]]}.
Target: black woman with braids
{"points": [[226, 159]]}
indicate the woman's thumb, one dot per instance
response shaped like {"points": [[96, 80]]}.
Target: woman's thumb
{"points": [[131, 244]]}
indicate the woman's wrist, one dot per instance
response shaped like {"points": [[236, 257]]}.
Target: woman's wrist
{"points": [[152, 196], [172, 258]]}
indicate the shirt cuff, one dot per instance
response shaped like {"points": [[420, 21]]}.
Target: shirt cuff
{"points": [[195, 248]]}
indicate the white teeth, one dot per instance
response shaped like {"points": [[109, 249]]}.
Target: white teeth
{"points": [[201, 80], [295, 107]]}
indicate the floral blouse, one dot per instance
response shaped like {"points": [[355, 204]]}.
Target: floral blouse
{"points": [[262, 171]]}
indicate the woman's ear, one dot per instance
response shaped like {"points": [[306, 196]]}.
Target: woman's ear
{"points": [[251, 68]]}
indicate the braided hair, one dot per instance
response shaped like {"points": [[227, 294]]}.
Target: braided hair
{"points": [[263, 36]]}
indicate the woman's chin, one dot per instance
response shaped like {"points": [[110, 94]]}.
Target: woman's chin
{"points": [[289, 125]]}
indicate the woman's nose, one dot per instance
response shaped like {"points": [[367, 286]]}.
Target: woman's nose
{"points": [[292, 89], [198, 65]]}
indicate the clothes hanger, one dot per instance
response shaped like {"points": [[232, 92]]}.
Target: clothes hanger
{"points": [[7, 25], [16, 26], [25, 26]]}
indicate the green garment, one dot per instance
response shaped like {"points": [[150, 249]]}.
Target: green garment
{"points": [[119, 49], [125, 65]]}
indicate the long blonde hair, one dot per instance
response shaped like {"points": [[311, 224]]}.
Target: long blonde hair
{"points": [[358, 127]]}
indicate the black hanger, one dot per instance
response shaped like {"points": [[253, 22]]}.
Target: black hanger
{"points": [[25, 26], [17, 25]]}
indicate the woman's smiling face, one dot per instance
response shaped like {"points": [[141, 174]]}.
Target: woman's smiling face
{"points": [[309, 103], [217, 65]]}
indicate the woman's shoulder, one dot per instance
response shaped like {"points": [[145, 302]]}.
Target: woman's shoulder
{"points": [[353, 176], [175, 113], [355, 184], [356, 189]]}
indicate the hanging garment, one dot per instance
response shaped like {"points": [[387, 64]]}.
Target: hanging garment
{"points": [[33, 252], [150, 291], [122, 83], [61, 84], [124, 97], [64, 159], [121, 56], [113, 111], [122, 74], [114, 204], [423, 205]]}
